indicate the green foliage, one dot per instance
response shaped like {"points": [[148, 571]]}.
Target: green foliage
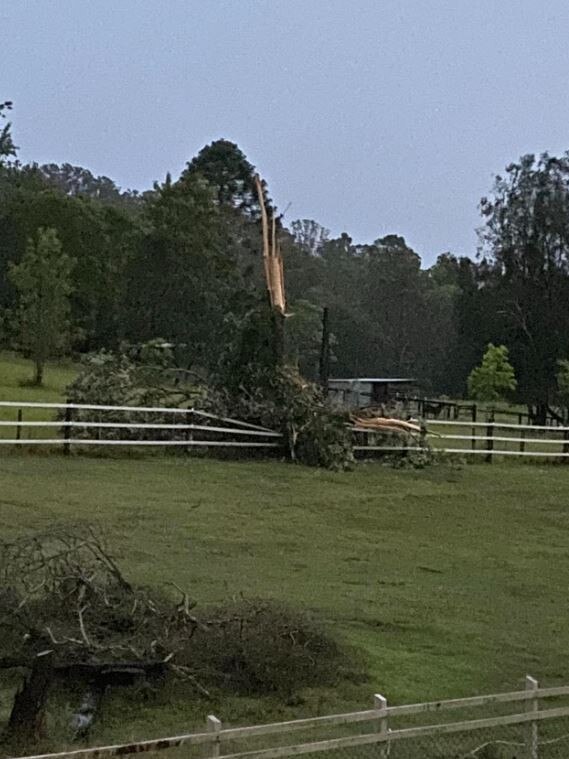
{"points": [[228, 172], [281, 399], [7, 147], [526, 242], [494, 379], [185, 261], [304, 336], [43, 282], [182, 277], [135, 376]]}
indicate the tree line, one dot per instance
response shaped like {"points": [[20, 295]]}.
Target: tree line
{"points": [[85, 266]]}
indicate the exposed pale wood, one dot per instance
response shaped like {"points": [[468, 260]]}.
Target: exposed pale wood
{"points": [[264, 218], [214, 726], [412, 732], [272, 260], [299, 724], [380, 703], [532, 707]]}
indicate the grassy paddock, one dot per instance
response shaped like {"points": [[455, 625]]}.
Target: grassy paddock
{"points": [[15, 373], [450, 581]]}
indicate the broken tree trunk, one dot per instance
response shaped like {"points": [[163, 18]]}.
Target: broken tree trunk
{"points": [[27, 719], [274, 276]]}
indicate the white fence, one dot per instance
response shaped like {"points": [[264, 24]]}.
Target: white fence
{"points": [[127, 426], [486, 439], [532, 730], [66, 425]]}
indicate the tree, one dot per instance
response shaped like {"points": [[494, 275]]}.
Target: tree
{"points": [[310, 235], [494, 379], [43, 282], [77, 181], [101, 237], [7, 147], [226, 169], [182, 279], [525, 247], [563, 383], [304, 335]]}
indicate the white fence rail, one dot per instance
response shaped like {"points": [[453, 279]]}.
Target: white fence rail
{"points": [[36, 424], [195, 429], [380, 727], [487, 439]]}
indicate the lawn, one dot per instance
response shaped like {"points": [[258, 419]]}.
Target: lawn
{"points": [[449, 581], [15, 373]]}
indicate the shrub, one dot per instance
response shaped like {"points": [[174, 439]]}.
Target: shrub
{"points": [[258, 647]]}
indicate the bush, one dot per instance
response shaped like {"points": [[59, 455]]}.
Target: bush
{"points": [[259, 647]]}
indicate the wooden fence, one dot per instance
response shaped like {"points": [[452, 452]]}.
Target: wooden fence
{"points": [[379, 729], [441, 408]]}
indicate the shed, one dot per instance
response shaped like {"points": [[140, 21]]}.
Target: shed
{"points": [[357, 392]]}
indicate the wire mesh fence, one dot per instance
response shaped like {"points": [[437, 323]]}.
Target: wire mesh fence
{"points": [[527, 724]]}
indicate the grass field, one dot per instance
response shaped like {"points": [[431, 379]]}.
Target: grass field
{"points": [[15, 372], [450, 581]]}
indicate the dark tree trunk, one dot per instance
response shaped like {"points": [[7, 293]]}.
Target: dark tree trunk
{"points": [[27, 719], [278, 320], [38, 376], [325, 352]]}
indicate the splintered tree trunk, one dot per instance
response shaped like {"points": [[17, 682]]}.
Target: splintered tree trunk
{"points": [[27, 719]]}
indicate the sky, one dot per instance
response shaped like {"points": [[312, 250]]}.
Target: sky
{"points": [[372, 117]]}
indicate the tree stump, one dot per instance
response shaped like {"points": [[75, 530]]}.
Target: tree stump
{"points": [[27, 720]]}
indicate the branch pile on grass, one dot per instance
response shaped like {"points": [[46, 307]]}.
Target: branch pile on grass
{"points": [[62, 590], [68, 614]]}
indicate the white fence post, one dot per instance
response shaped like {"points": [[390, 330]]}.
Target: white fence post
{"points": [[214, 726], [532, 706], [380, 703]]}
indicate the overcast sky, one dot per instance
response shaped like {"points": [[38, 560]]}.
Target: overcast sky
{"points": [[370, 116]]}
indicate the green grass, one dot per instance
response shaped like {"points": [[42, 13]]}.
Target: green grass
{"points": [[15, 373], [449, 581]]}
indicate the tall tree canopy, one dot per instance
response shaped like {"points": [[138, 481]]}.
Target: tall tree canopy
{"points": [[526, 265], [183, 262]]}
